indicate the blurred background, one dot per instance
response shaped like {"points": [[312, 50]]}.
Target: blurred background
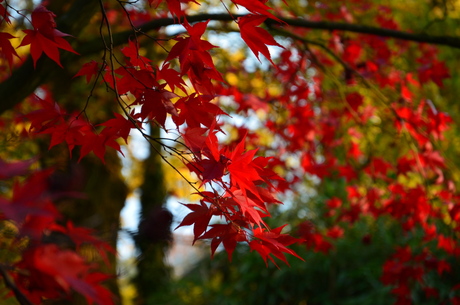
{"points": [[344, 261]]}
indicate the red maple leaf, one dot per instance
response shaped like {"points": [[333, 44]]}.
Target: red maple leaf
{"points": [[257, 7], [194, 139], [81, 236], [52, 271], [272, 242], [195, 59], [47, 115], [156, 104], [348, 172], [4, 13], [174, 6], [228, 234], [136, 60], [243, 169], [120, 127], [213, 169], [252, 210], [89, 70], [196, 110], [172, 77], [210, 161], [354, 101], [255, 37], [7, 50], [30, 206], [435, 71], [45, 37], [12, 169], [199, 217], [93, 291], [91, 141]]}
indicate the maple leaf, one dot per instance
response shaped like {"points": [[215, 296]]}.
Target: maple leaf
{"points": [[199, 218], [53, 270], [45, 37], [156, 104], [228, 234], [120, 127], [196, 110], [335, 232], [447, 244], [12, 169], [255, 37], [257, 7], [68, 132], [185, 46], [93, 142], [243, 169], [251, 209], [348, 172], [438, 123], [352, 52], [4, 13], [174, 6], [136, 60], [319, 244], [48, 115], [194, 139], [30, 206], [195, 59], [136, 81], [213, 169], [89, 70], [81, 236], [435, 71], [378, 166], [354, 100], [7, 49], [310, 165], [272, 242], [64, 265], [213, 166], [93, 291], [172, 77], [354, 152]]}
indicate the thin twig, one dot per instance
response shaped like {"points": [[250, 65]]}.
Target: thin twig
{"points": [[20, 297]]}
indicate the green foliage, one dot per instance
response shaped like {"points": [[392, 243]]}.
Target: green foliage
{"points": [[348, 274]]}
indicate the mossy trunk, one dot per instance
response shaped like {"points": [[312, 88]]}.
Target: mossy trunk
{"points": [[154, 234], [103, 193]]}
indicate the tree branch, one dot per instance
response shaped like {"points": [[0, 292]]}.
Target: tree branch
{"points": [[28, 79], [20, 297], [449, 41]]}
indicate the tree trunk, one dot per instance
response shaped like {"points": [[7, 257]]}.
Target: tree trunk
{"points": [[154, 234]]}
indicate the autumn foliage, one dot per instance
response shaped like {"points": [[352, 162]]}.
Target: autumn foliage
{"points": [[333, 107]]}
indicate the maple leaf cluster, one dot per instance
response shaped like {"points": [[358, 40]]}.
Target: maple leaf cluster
{"points": [[45, 38], [245, 181], [42, 269], [322, 132], [243, 201], [332, 129]]}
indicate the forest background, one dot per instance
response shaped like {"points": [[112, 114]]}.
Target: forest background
{"points": [[324, 131]]}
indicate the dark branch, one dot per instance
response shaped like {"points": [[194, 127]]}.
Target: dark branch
{"points": [[28, 80], [449, 41], [20, 297]]}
